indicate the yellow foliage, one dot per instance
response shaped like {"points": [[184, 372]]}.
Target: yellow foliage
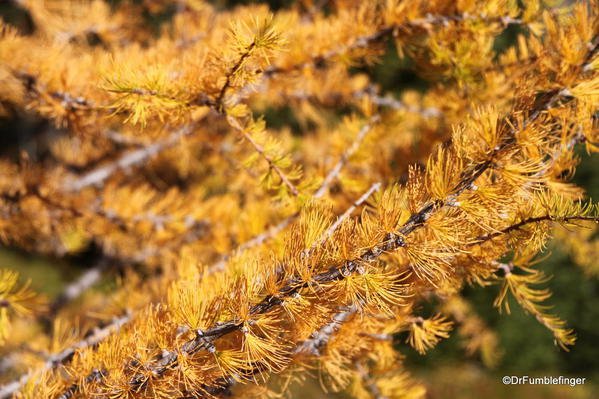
{"points": [[264, 201], [15, 298], [425, 333]]}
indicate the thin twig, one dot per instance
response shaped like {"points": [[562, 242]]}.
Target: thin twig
{"points": [[321, 337], [127, 160], [260, 150], [345, 215], [221, 95], [369, 382], [334, 172], [80, 285], [389, 101], [519, 225]]}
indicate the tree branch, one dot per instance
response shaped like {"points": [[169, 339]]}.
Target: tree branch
{"points": [[127, 160], [538, 219]]}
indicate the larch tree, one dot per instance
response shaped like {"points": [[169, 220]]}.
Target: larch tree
{"points": [[250, 254]]}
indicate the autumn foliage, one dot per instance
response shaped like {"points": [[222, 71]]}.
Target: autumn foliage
{"points": [[251, 253]]}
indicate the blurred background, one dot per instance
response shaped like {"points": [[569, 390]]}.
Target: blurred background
{"points": [[528, 348]]}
